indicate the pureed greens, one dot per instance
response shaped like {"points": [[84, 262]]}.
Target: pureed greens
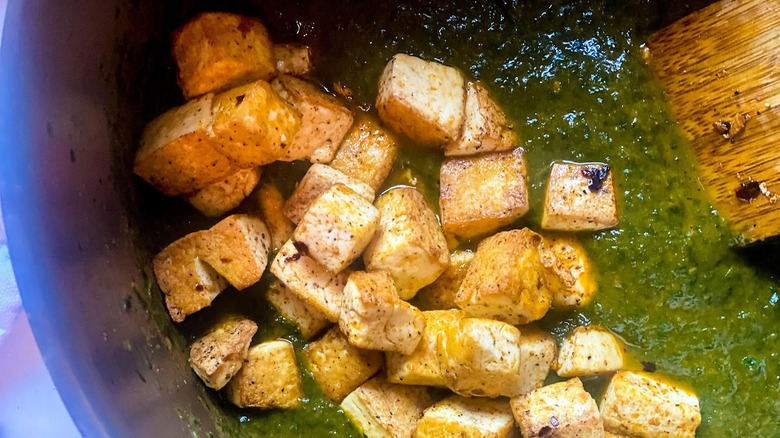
{"points": [[573, 79]]}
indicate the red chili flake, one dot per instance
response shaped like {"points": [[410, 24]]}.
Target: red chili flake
{"points": [[596, 176], [293, 258], [748, 191]]}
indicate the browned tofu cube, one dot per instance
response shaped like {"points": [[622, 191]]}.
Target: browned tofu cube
{"points": [[381, 409], [537, 355], [409, 243], [337, 366], [320, 288], [572, 276], [374, 318], [218, 355], [337, 227], [177, 155], [458, 416], [324, 124], [293, 59], [225, 194], [309, 321], [480, 358], [218, 50], [422, 366], [272, 206], [423, 100], [367, 153], [560, 410], [482, 193], [440, 295], [253, 125], [506, 279], [269, 379], [580, 197], [485, 126], [318, 179], [641, 405], [589, 351], [189, 284], [237, 248]]}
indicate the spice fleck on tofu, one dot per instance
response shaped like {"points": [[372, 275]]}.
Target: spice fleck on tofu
{"points": [[561, 410], [225, 194], [458, 416], [218, 355], [580, 197], [269, 379], [485, 126], [589, 351]]}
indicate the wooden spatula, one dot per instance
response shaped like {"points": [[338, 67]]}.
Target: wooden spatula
{"points": [[721, 70]]}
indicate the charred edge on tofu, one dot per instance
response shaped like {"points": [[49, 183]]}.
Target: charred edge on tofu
{"points": [[596, 176]]}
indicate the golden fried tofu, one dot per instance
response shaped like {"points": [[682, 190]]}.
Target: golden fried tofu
{"points": [[309, 321], [643, 406], [318, 179], [237, 248], [225, 194], [252, 125], [339, 367], [423, 100], [177, 155], [560, 410], [218, 355], [310, 281], [440, 295], [506, 280], [409, 242], [485, 126], [293, 59], [381, 409], [589, 351], [537, 355], [218, 50], [571, 273], [458, 416], [271, 204], [580, 197], [189, 284], [482, 193], [374, 318], [269, 379], [480, 358], [367, 153], [324, 124], [337, 227], [421, 367]]}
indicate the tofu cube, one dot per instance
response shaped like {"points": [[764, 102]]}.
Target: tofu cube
{"points": [[482, 193], [409, 242], [381, 409], [309, 321], [337, 227], [237, 248], [589, 351], [537, 355], [293, 59], [458, 416], [189, 284], [580, 197], [421, 367], [506, 279], [481, 358], [310, 281], [177, 155], [269, 379], [318, 179], [337, 366], [485, 126], [422, 100], [253, 125], [640, 405], [572, 276], [324, 124], [559, 410], [216, 51], [225, 194], [218, 355], [271, 204], [374, 318], [367, 153], [440, 295]]}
